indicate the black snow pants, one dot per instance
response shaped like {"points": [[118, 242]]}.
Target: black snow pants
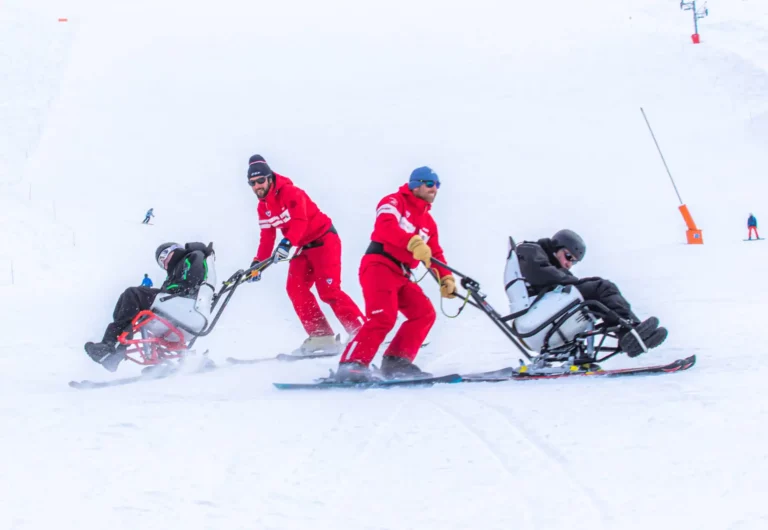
{"points": [[606, 292], [133, 300]]}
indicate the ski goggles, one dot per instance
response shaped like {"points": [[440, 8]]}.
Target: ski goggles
{"points": [[570, 257], [163, 256], [429, 183], [259, 180]]}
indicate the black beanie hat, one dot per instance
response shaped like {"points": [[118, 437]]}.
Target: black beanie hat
{"points": [[257, 167]]}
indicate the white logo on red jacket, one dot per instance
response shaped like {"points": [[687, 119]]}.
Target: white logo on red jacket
{"points": [[276, 221]]}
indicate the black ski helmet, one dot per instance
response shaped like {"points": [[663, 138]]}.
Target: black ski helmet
{"points": [[570, 240], [162, 252]]}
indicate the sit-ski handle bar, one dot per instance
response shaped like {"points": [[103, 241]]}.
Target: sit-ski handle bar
{"points": [[466, 282]]}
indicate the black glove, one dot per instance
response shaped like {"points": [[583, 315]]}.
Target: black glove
{"points": [[209, 250]]}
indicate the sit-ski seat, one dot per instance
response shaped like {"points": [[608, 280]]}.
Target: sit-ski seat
{"points": [[190, 315], [554, 306]]}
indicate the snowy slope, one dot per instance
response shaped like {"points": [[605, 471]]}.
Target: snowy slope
{"points": [[530, 113]]}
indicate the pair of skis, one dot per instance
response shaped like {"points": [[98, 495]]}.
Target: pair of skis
{"points": [[505, 374], [496, 376]]}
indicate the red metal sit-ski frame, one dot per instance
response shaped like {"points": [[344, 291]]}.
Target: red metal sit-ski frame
{"points": [[152, 349]]}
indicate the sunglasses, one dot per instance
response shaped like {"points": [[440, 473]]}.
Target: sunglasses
{"points": [[570, 257], [430, 183], [260, 180]]}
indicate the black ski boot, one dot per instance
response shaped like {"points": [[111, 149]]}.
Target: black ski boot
{"points": [[105, 354], [353, 372], [393, 367], [653, 340], [650, 334]]}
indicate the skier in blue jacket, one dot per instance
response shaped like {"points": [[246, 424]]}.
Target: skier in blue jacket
{"points": [[150, 213], [147, 281]]}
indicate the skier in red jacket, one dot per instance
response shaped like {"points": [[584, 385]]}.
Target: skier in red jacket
{"points": [[316, 261], [404, 234]]}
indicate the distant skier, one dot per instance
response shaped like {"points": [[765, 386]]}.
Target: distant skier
{"points": [[186, 270], [150, 213], [546, 263], [752, 226], [147, 281]]}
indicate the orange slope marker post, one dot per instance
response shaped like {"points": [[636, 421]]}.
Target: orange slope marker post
{"points": [[63, 19], [693, 235]]}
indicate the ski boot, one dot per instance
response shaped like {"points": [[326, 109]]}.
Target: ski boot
{"points": [[393, 367], [353, 372], [650, 334], [319, 347], [105, 354]]}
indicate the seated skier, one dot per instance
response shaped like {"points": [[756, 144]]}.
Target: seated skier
{"points": [[186, 270], [546, 263]]}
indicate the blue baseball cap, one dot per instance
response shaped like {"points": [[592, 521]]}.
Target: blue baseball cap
{"points": [[422, 174]]}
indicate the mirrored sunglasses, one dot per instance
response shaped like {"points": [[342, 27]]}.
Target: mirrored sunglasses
{"points": [[430, 183], [259, 180]]}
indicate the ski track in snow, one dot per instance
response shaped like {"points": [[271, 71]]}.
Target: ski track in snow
{"points": [[555, 458], [335, 504], [472, 420], [496, 454]]}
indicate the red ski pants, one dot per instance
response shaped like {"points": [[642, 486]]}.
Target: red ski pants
{"points": [[751, 229], [321, 266], [387, 291]]}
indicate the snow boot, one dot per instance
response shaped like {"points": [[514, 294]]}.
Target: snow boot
{"points": [[325, 345], [105, 354], [353, 372], [393, 367]]}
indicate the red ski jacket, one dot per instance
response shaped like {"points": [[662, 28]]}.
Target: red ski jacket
{"points": [[290, 209], [399, 217]]}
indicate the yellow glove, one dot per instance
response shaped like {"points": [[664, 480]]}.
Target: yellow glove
{"points": [[448, 287], [420, 250]]}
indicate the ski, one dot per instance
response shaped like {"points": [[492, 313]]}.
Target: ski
{"points": [[291, 358], [387, 343], [756, 239], [287, 357], [149, 376], [514, 374], [233, 360], [389, 383], [150, 373]]}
